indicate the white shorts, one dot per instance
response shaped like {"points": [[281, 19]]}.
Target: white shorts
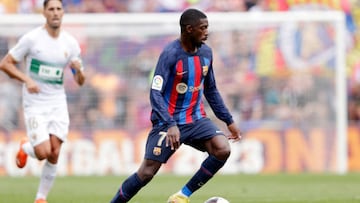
{"points": [[42, 121]]}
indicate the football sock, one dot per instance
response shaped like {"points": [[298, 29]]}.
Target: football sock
{"points": [[128, 189], [46, 180], [29, 149], [208, 168], [185, 192]]}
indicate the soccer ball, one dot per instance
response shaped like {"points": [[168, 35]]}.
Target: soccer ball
{"points": [[216, 200]]}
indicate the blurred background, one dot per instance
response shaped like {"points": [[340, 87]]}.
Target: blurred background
{"points": [[278, 80]]}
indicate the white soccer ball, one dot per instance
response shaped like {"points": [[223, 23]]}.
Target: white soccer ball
{"points": [[217, 200]]}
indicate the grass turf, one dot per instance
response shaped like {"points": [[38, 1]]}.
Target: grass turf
{"points": [[303, 188]]}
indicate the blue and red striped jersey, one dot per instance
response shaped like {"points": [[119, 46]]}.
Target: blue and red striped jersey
{"points": [[180, 80]]}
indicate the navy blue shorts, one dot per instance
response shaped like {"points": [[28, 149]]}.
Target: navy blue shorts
{"points": [[193, 134]]}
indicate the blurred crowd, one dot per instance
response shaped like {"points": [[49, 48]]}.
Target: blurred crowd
{"points": [[275, 77], [114, 6]]}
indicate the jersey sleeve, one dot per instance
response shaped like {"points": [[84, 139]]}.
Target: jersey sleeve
{"points": [[75, 53], [214, 98], [75, 47], [21, 48], [161, 75]]}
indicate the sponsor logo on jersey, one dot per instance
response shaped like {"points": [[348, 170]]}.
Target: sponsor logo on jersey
{"points": [[194, 89], [181, 88], [157, 82], [181, 73]]}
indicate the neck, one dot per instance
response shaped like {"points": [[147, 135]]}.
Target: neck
{"points": [[188, 46], [53, 32]]}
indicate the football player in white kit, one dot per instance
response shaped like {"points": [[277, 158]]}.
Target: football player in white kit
{"points": [[47, 51]]}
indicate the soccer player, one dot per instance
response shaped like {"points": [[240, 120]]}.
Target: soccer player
{"points": [[183, 74], [47, 50]]}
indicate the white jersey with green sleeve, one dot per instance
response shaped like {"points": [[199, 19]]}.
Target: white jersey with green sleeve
{"points": [[46, 59]]}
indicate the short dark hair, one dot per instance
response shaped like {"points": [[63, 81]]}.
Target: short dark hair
{"points": [[190, 17], [47, 1]]}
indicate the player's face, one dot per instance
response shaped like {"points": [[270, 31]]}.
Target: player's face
{"points": [[200, 32], [53, 13]]}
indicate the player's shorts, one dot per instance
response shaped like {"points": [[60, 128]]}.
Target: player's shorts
{"points": [[42, 121], [193, 134]]}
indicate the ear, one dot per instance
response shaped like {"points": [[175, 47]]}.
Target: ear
{"points": [[189, 28]]}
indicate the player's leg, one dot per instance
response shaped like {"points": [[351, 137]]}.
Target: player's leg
{"points": [[218, 145], [208, 138], [43, 150], [48, 173], [58, 119], [156, 153], [37, 144], [219, 151], [40, 151], [135, 182], [22, 154]]}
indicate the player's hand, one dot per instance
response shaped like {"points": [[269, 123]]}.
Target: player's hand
{"points": [[76, 64], [173, 137], [32, 87], [77, 69], [235, 133]]}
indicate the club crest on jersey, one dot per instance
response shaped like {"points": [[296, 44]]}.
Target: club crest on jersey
{"points": [[181, 88], [157, 151], [205, 70]]}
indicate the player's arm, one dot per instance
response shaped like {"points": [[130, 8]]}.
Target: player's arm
{"points": [[78, 71], [8, 65], [215, 100], [159, 106], [158, 85], [76, 64], [216, 103], [157, 100]]}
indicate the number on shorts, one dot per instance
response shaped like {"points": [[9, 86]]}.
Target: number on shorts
{"points": [[162, 137], [33, 124]]}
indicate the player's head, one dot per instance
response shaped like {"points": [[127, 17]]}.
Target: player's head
{"points": [[53, 12], [194, 25], [46, 2]]}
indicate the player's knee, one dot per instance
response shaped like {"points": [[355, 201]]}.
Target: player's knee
{"points": [[146, 174], [42, 153], [41, 157], [223, 153], [43, 150]]}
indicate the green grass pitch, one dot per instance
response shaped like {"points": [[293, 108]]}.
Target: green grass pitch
{"points": [[304, 188]]}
